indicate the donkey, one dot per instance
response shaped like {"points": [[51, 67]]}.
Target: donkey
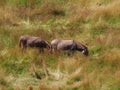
{"points": [[70, 45], [29, 41]]}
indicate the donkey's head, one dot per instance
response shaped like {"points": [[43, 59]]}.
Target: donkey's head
{"points": [[82, 48], [85, 51]]}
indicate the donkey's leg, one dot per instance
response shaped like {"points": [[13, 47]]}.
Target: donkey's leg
{"points": [[53, 50], [41, 50], [50, 50], [24, 48], [71, 52], [24, 45]]}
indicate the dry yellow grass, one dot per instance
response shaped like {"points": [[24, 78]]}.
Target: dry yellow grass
{"points": [[92, 22], [108, 11]]}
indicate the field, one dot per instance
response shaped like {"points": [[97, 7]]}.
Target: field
{"points": [[95, 23]]}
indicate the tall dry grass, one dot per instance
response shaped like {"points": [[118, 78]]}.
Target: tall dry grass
{"points": [[92, 22], [108, 11]]}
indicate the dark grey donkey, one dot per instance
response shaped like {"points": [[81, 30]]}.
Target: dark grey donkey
{"points": [[71, 45], [29, 41]]}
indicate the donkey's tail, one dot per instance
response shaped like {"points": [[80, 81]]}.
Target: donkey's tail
{"points": [[20, 42]]}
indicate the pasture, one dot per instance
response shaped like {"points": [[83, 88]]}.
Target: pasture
{"points": [[95, 23]]}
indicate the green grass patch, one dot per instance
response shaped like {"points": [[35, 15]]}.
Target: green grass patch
{"points": [[15, 64], [114, 20], [88, 23]]}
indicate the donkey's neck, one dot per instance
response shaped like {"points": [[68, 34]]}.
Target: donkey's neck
{"points": [[80, 47]]}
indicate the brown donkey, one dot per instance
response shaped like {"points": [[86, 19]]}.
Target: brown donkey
{"points": [[70, 45], [29, 41]]}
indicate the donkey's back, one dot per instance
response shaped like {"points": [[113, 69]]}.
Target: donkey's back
{"points": [[65, 44]]}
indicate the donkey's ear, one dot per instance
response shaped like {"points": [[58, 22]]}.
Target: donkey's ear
{"points": [[86, 44]]}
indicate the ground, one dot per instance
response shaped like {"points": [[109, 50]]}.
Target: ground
{"points": [[95, 23]]}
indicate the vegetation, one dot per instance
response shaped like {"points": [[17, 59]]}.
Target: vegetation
{"points": [[95, 23]]}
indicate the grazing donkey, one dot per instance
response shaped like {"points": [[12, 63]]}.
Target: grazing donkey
{"points": [[71, 45], [29, 41]]}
